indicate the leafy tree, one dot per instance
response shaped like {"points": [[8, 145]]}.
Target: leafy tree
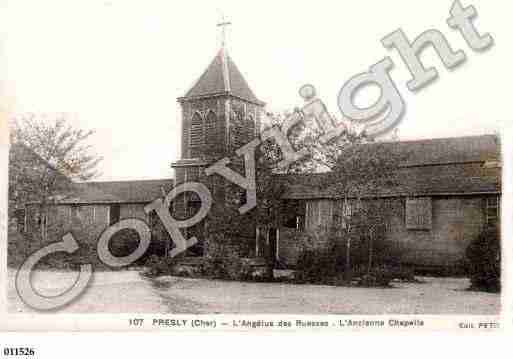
{"points": [[361, 173], [272, 180], [484, 260], [47, 155], [321, 157], [354, 170]]}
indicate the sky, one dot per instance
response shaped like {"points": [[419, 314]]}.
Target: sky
{"points": [[117, 66]]}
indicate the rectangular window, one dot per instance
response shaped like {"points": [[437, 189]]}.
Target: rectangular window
{"points": [[293, 215], [153, 219], [344, 210], [45, 226], [242, 197], [42, 223], [419, 213], [114, 213], [75, 213], [193, 207], [492, 210]]}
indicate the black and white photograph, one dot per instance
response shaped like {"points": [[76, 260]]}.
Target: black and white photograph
{"points": [[254, 165]]}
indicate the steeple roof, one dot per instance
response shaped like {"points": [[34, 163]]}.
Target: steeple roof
{"points": [[221, 77]]}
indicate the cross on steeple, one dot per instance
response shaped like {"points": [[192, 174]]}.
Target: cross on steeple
{"points": [[223, 25]]}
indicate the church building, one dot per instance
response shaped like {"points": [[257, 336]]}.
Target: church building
{"points": [[449, 188]]}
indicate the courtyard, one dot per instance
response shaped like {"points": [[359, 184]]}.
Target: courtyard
{"points": [[128, 292]]}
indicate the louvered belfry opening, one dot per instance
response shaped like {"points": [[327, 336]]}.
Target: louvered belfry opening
{"points": [[210, 128], [220, 114], [196, 131]]}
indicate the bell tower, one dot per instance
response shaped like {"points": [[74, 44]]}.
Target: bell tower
{"points": [[220, 113], [219, 110]]}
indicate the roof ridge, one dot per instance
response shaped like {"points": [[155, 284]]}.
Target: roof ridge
{"points": [[222, 76], [201, 77], [125, 181], [431, 139], [226, 74]]}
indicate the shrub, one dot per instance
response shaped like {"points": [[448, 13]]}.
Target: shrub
{"points": [[225, 259], [225, 263], [326, 264], [382, 276], [316, 266], [406, 274], [123, 243], [157, 266], [17, 249], [376, 278], [86, 254], [483, 255]]}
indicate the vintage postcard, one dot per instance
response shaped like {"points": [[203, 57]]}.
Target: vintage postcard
{"points": [[255, 166]]}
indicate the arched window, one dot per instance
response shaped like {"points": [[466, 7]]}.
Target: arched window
{"points": [[210, 128], [237, 128], [196, 130]]}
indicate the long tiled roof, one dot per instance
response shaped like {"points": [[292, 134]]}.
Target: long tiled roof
{"points": [[430, 167], [221, 77], [439, 151], [142, 191]]}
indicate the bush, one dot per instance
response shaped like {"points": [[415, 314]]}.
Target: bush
{"points": [[224, 263], [123, 243], [382, 276], [157, 266], [86, 254], [327, 264], [316, 266], [376, 278], [17, 249], [484, 265]]}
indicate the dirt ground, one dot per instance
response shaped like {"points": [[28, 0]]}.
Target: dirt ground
{"points": [[127, 291]]}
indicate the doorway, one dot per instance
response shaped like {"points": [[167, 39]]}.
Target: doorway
{"points": [[272, 241]]}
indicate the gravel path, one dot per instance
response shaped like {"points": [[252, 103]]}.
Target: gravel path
{"points": [[127, 292]]}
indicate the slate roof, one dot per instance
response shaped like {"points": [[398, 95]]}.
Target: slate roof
{"points": [[222, 77], [448, 166], [451, 150], [143, 191]]}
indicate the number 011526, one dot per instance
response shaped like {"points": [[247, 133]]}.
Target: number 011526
{"points": [[18, 351]]}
